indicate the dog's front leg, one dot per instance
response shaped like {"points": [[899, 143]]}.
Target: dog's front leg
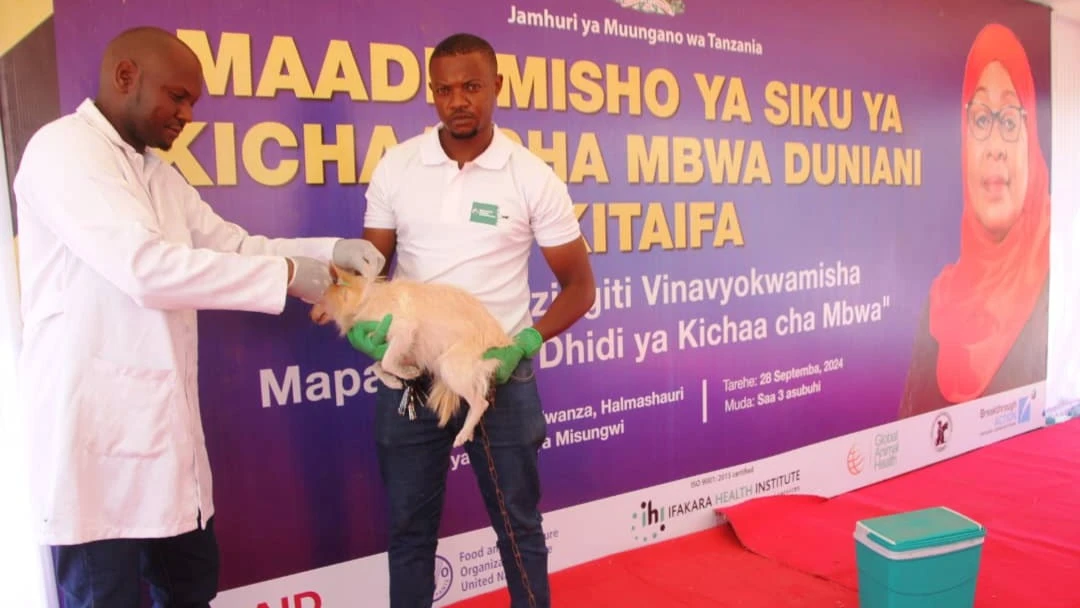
{"points": [[389, 380], [400, 341]]}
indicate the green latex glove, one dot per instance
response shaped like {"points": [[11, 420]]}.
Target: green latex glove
{"points": [[526, 345], [369, 337]]}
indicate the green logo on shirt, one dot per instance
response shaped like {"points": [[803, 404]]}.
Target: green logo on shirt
{"points": [[484, 213]]}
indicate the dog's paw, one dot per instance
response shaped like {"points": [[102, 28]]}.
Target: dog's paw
{"points": [[462, 438], [387, 378], [392, 382]]}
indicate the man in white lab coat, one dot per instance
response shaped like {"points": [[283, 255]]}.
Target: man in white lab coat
{"points": [[117, 252]]}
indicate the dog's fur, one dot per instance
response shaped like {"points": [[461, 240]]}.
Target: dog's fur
{"points": [[439, 329]]}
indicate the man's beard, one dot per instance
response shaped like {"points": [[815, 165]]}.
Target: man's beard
{"points": [[159, 141], [466, 135]]}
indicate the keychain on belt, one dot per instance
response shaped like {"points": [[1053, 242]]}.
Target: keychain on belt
{"points": [[410, 398]]}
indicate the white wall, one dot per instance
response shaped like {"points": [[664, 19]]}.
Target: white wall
{"points": [[1063, 376]]}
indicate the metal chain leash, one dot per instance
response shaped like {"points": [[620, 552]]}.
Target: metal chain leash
{"points": [[414, 396], [502, 505]]}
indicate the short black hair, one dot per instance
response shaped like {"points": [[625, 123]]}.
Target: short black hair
{"points": [[463, 44]]}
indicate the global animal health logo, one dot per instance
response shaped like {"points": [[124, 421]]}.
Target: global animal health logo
{"points": [[855, 460], [886, 449], [884, 453], [670, 8]]}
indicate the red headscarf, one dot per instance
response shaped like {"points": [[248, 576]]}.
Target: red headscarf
{"points": [[979, 305]]}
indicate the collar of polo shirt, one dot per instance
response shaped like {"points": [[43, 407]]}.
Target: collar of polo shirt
{"points": [[494, 157]]}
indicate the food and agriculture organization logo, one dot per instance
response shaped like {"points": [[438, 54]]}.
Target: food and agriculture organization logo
{"points": [[648, 522], [656, 7], [941, 431], [444, 577]]}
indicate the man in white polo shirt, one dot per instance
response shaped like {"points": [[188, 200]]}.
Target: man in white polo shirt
{"points": [[463, 204]]}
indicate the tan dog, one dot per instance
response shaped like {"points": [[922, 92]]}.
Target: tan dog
{"points": [[436, 328]]}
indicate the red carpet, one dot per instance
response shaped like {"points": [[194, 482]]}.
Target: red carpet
{"points": [[1025, 490], [705, 569]]}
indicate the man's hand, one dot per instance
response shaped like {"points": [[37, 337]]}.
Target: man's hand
{"points": [[369, 337], [308, 279], [526, 345], [358, 256]]}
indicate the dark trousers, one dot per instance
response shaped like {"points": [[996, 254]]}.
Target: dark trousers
{"points": [[182, 571], [414, 458]]}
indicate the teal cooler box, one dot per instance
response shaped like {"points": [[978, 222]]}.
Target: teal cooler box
{"points": [[925, 559]]}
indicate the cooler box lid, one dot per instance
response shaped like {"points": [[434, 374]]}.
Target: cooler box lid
{"points": [[933, 527]]}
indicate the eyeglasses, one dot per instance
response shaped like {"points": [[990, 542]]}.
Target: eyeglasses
{"points": [[981, 121]]}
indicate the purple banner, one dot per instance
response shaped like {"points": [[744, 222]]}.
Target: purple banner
{"points": [[768, 193]]}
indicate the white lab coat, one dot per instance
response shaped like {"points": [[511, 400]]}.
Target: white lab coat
{"points": [[117, 251]]}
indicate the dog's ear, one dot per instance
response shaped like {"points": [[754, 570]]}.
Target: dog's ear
{"points": [[340, 275]]}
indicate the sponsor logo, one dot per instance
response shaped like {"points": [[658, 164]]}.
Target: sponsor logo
{"points": [[785, 483], [884, 453], [1023, 409], [941, 431], [886, 449], [655, 7], [652, 520], [474, 569], [730, 496], [855, 460], [444, 577], [1001, 416], [1065, 409], [1006, 415], [484, 213], [649, 521]]}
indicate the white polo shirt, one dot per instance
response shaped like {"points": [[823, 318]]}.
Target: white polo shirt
{"points": [[472, 227]]}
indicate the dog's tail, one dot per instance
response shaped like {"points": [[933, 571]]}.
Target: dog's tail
{"points": [[445, 401]]}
